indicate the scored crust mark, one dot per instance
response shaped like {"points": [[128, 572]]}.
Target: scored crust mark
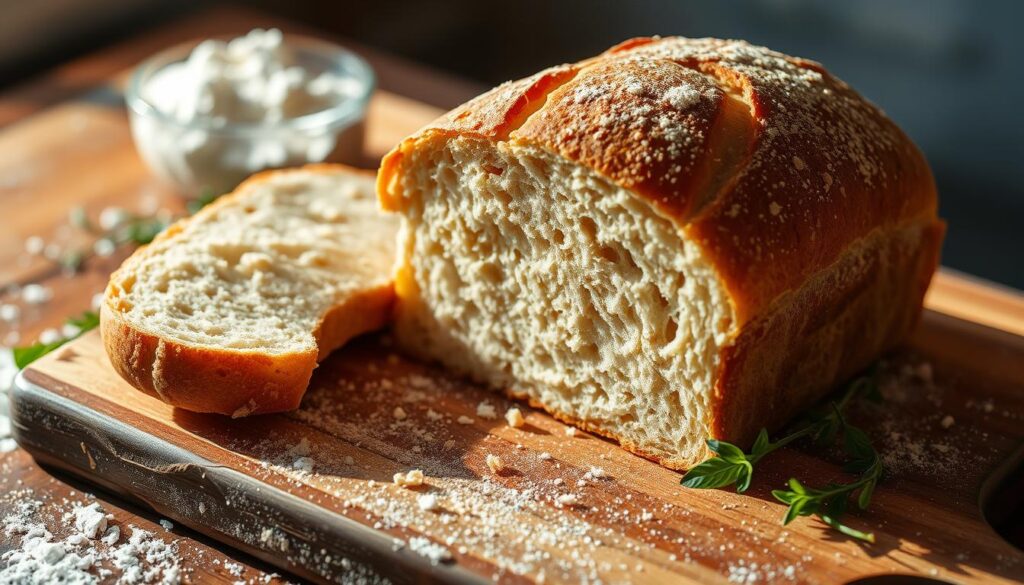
{"points": [[493, 115], [734, 131], [643, 123], [502, 110]]}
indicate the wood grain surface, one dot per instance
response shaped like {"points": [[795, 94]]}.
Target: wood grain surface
{"points": [[66, 143], [566, 507]]}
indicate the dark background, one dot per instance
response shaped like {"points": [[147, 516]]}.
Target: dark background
{"points": [[950, 72]]}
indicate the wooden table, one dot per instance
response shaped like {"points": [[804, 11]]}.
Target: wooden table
{"points": [[45, 117]]}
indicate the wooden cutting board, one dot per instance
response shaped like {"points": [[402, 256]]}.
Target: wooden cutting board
{"points": [[312, 491]]}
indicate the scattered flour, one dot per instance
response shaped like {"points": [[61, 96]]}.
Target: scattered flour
{"points": [[9, 313], [146, 559], [427, 502], [567, 500], [486, 410], [36, 294], [236, 569], [433, 551], [91, 520], [82, 558], [49, 335]]}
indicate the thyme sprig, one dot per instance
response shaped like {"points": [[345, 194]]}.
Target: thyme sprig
{"points": [[733, 466]]}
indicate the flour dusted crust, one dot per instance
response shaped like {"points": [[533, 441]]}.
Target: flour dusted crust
{"points": [[204, 369], [815, 213]]}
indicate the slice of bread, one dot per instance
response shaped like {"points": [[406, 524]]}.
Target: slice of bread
{"points": [[230, 310]]}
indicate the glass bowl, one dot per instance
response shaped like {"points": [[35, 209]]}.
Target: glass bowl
{"points": [[201, 156]]}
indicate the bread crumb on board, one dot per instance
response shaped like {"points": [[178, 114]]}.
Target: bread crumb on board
{"points": [[515, 419], [486, 410], [495, 463], [411, 478]]}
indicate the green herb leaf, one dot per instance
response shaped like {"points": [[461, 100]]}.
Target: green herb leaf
{"points": [[78, 218], [761, 443], [828, 429], [727, 451], [797, 487], [835, 506], [743, 483], [72, 260], [140, 230], [24, 356], [858, 445], [714, 473], [864, 499], [205, 198], [86, 321], [785, 496]]}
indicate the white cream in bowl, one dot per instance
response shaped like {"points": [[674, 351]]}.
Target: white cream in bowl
{"points": [[208, 118]]}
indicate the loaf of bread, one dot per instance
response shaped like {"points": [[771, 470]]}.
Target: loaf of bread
{"points": [[678, 239], [229, 311]]}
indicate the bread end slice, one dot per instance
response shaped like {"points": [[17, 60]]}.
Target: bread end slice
{"points": [[230, 310]]}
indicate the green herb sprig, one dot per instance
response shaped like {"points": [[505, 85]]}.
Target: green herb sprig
{"points": [[24, 356], [733, 466]]}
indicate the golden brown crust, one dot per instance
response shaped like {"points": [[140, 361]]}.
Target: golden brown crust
{"points": [[812, 166], [233, 382], [659, 143], [821, 334], [817, 212], [204, 380]]}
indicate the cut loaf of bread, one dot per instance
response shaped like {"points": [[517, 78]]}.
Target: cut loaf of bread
{"points": [[229, 311], [676, 240]]}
